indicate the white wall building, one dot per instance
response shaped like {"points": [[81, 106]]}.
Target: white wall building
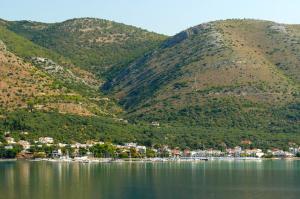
{"points": [[141, 149], [10, 140], [24, 144], [46, 140], [131, 144]]}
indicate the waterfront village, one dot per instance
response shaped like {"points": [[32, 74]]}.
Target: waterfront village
{"points": [[45, 148]]}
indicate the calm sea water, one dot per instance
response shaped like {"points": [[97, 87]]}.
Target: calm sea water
{"points": [[272, 179]]}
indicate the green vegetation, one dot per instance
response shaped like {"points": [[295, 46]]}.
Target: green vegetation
{"points": [[103, 151], [215, 76], [228, 113], [9, 153], [98, 45], [24, 48], [150, 153], [72, 128], [210, 86], [42, 152], [74, 89]]}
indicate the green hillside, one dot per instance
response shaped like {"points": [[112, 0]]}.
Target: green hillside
{"points": [[98, 45], [233, 73], [26, 49], [31, 73], [73, 128], [219, 82]]}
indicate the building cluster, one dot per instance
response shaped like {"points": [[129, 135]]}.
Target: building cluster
{"points": [[162, 151], [59, 151]]}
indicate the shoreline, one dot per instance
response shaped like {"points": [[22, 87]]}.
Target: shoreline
{"points": [[147, 160], [8, 160]]}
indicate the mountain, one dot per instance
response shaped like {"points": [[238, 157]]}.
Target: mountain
{"points": [[219, 82], [232, 73], [98, 45]]}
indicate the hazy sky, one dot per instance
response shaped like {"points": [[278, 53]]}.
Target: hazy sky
{"points": [[163, 16]]}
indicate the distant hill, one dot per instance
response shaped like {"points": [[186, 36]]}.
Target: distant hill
{"points": [[98, 45], [233, 73]]}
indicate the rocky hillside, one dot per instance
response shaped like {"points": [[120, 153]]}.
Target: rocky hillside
{"points": [[234, 73], [98, 45], [25, 86]]}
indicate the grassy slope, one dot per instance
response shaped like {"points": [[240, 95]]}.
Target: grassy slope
{"points": [[98, 45], [225, 73]]}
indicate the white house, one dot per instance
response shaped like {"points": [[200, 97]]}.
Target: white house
{"points": [[9, 147], [294, 150], [141, 149], [46, 140], [260, 154], [131, 144], [6, 133], [61, 145], [10, 140], [78, 145], [24, 144], [238, 149], [155, 124]]}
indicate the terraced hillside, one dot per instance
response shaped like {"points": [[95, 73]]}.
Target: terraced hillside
{"points": [[233, 73], [98, 45]]}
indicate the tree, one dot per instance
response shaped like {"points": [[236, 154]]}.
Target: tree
{"points": [[123, 155], [82, 151], [9, 153], [48, 150], [104, 150], [30, 105], [134, 153], [150, 153], [68, 150]]}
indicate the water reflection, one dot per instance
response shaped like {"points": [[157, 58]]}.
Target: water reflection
{"points": [[212, 179]]}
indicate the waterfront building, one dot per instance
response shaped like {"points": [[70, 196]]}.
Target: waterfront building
{"points": [[57, 153], [24, 144], [260, 154], [187, 153], [176, 153], [294, 150], [141, 149]]}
